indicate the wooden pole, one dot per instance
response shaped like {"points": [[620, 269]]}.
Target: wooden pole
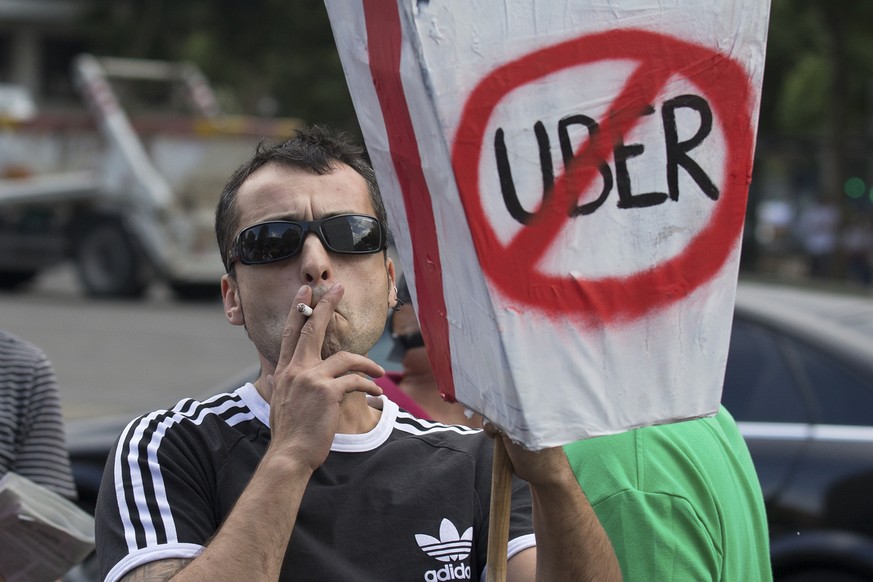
{"points": [[498, 529]]}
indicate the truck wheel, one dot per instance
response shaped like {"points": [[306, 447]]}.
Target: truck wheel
{"points": [[11, 280], [109, 263]]}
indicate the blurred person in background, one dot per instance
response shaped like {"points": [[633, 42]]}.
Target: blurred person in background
{"points": [[32, 439], [416, 381], [818, 227], [857, 242], [679, 501]]}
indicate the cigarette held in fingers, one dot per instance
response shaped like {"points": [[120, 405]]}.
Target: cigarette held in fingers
{"points": [[304, 309]]}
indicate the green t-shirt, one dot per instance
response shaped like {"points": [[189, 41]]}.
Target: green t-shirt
{"points": [[679, 501]]}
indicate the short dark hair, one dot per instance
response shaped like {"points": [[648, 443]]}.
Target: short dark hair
{"points": [[316, 149]]}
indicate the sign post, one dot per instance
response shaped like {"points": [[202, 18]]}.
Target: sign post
{"points": [[498, 524]]}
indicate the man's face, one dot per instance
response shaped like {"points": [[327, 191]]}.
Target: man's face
{"points": [[405, 323], [262, 295]]}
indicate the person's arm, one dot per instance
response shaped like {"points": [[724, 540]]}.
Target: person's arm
{"points": [[42, 455], [571, 543], [251, 543], [305, 397]]}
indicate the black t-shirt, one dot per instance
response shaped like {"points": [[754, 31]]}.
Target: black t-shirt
{"points": [[407, 501]]}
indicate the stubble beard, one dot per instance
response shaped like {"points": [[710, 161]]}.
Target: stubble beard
{"points": [[269, 341], [359, 341]]}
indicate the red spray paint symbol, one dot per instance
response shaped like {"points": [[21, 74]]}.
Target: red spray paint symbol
{"points": [[512, 267]]}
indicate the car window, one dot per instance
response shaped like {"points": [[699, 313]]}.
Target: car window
{"points": [[759, 385], [841, 396]]}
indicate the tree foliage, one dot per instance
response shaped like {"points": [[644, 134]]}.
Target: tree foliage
{"points": [[279, 55], [819, 67], [268, 56]]}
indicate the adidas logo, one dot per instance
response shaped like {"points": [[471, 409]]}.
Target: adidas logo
{"points": [[450, 547]]}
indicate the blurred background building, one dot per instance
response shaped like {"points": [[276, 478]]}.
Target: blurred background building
{"points": [[811, 197], [38, 39]]}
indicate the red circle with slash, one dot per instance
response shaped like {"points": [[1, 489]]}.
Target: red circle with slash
{"points": [[512, 267]]}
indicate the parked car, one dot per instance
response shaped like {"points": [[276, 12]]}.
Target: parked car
{"points": [[799, 381]]}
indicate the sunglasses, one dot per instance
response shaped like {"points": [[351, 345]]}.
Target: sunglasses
{"points": [[409, 340], [402, 342], [268, 242]]}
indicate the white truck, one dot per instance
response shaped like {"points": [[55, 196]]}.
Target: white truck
{"points": [[130, 199]]}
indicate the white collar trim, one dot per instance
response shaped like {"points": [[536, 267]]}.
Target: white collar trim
{"points": [[343, 443]]}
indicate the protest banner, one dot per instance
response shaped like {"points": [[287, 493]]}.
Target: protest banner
{"points": [[567, 185]]}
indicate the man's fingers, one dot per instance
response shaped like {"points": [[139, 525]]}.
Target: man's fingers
{"points": [[343, 364], [293, 323], [491, 429], [311, 335], [355, 383]]}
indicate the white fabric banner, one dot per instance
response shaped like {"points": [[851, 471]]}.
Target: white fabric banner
{"points": [[567, 185]]}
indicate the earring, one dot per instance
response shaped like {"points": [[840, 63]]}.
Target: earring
{"points": [[399, 304]]}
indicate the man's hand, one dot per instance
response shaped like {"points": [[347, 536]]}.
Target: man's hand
{"points": [[548, 466], [571, 543], [306, 392]]}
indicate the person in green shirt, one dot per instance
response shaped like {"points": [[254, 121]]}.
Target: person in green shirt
{"points": [[678, 501]]}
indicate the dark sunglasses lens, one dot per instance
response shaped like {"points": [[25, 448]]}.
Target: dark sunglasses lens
{"points": [[411, 340], [268, 242], [352, 234]]}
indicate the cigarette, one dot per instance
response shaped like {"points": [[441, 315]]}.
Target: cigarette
{"points": [[304, 309]]}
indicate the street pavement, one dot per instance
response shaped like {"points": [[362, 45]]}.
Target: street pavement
{"points": [[114, 357]]}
